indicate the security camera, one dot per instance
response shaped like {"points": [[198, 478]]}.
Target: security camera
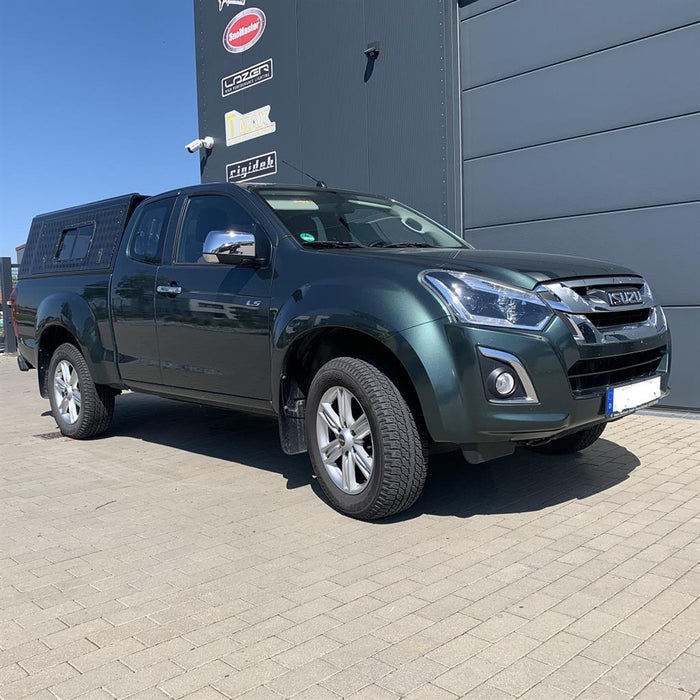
{"points": [[197, 144]]}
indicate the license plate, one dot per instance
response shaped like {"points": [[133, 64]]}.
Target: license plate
{"points": [[624, 398]]}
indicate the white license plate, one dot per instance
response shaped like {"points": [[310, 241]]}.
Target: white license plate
{"points": [[624, 398]]}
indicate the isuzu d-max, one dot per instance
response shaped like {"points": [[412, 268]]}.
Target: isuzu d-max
{"points": [[370, 331]]}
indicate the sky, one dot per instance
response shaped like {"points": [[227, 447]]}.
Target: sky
{"points": [[97, 99]]}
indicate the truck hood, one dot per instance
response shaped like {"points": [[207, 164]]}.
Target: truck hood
{"points": [[521, 269]]}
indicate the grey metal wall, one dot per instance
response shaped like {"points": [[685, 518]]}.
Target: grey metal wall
{"points": [[391, 126], [581, 135]]}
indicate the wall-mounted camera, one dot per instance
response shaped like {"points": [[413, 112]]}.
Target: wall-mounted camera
{"points": [[207, 143]]}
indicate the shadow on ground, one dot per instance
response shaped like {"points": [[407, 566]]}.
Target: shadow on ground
{"points": [[525, 481]]}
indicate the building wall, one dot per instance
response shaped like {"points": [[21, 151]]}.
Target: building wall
{"points": [[389, 126], [581, 135]]}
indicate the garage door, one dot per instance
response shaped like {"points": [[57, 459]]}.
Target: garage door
{"points": [[581, 135]]}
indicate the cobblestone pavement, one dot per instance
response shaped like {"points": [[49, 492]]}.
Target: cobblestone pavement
{"points": [[183, 556]]}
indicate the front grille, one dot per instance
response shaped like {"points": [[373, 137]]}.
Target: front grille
{"points": [[599, 373], [609, 319]]}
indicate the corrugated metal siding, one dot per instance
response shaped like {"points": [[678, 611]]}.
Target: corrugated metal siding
{"points": [[581, 132]]}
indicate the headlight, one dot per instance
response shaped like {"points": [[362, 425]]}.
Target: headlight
{"points": [[476, 300]]}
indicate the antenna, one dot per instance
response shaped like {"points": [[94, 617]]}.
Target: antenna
{"points": [[319, 183]]}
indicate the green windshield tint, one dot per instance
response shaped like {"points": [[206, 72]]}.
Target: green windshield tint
{"points": [[318, 217]]}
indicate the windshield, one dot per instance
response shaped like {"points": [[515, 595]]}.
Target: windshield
{"points": [[322, 218]]}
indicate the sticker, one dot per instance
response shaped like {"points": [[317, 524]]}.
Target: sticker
{"points": [[307, 237], [252, 125], [252, 168], [244, 79], [244, 30], [226, 3]]}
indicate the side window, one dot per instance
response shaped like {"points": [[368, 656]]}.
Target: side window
{"points": [[148, 235], [204, 214], [74, 243]]}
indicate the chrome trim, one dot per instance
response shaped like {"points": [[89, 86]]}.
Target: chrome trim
{"points": [[168, 289], [506, 357], [229, 246], [572, 307]]}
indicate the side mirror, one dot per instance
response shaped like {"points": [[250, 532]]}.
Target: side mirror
{"points": [[229, 247]]}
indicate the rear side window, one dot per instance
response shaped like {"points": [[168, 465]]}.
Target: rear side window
{"points": [[148, 236], [74, 243]]}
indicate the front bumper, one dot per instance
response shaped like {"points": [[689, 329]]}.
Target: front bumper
{"points": [[450, 384]]}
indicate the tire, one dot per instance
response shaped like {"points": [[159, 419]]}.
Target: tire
{"points": [[571, 443], [81, 408], [392, 479]]}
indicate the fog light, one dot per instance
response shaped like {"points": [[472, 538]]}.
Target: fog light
{"points": [[505, 384]]}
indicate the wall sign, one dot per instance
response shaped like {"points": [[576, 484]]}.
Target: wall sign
{"points": [[244, 30], [226, 3], [246, 78], [251, 125], [252, 168]]}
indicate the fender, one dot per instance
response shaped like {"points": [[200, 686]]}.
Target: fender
{"points": [[379, 310], [88, 324], [404, 317]]}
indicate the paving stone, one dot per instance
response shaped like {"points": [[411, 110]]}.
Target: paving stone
{"points": [[169, 559]]}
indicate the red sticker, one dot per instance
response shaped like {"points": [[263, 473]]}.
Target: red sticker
{"points": [[244, 30]]}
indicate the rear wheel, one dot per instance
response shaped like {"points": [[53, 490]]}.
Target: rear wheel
{"points": [[571, 443], [364, 444], [81, 408]]}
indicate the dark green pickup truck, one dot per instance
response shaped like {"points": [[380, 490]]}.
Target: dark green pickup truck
{"points": [[370, 331]]}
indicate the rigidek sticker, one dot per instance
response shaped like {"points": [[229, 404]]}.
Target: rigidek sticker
{"points": [[244, 30], [226, 3], [244, 127], [252, 168], [244, 79]]}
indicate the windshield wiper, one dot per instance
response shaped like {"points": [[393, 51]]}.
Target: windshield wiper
{"points": [[403, 245], [332, 244]]}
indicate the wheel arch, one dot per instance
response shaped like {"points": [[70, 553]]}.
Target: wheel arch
{"points": [[68, 318], [51, 338], [314, 348]]}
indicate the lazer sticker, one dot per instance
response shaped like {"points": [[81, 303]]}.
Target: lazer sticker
{"points": [[252, 168], [252, 125], [226, 3], [244, 30], [309, 238], [244, 79]]}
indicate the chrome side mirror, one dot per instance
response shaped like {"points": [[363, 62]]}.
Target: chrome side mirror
{"points": [[229, 247]]}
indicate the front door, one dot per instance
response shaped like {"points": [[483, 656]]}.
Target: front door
{"points": [[133, 293], [213, 319]]}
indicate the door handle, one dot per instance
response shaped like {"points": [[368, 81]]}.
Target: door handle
{"points": [[170, 290]]}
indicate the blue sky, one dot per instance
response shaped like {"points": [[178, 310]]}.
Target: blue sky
{"points": [[96, 99]]}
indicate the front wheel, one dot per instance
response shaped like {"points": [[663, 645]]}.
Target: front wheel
{"points": [[365, 447], [571, 443], [81, 408]]}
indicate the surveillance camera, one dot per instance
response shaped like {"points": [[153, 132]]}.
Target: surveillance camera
{"points": [[197, 144]]}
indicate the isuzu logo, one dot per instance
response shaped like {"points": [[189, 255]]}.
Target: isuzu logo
{"points": [[625, 297], [244, 30]]}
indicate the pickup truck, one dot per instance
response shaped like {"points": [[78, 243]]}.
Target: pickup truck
{"points": [[371, 332]]}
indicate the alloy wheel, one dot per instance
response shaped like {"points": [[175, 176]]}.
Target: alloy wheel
{"points": [[345, 440]]}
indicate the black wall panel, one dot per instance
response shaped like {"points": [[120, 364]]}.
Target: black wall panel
{"points": [[581, 135], [389, 126], [685, 379], [630, 84], [338, 116], [470, 8], [661, 243], [527, 34], [658, 163]]}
